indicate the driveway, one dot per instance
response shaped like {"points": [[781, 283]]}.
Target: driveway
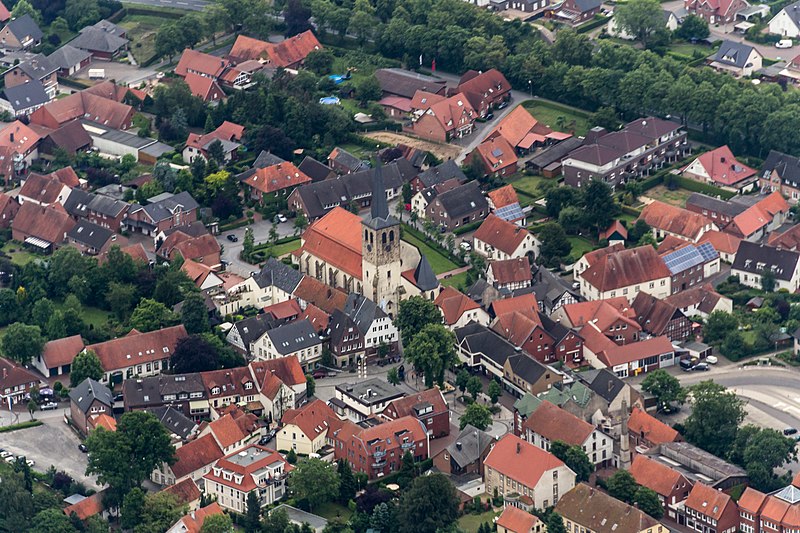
{"points": [[122, 73], [261, 229]]}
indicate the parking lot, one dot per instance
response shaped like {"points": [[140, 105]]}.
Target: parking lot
{"points": [[53, 443]]}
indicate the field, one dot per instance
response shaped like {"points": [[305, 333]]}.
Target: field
{"points": [[142, 31], [558, 117], [469, 523], [580, 245], [456, 281], [442, 151], [677, 197], [285, 248], [90, 315], [19, 256], [532, 185], [439, 263]]}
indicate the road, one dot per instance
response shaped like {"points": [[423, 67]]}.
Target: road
{"points": [[192, 5]]}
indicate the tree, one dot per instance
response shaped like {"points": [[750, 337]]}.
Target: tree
{"points": [[23, 7], [132, 508], [599, 203], [716, 415], [32, 407], [126, 457], [428, 506], [218, 523], [51, 521], [760, 451], [311, 385], [693, 27], [369, 89], [649, 502], [291, 457], [252, 518], [718, 325], [640, 19], [85, 365], [555, 524], [194, 354], [393, 376], [300, 222], [571, 219], [194, 315], [9, 307], [408, 470], [296, 16], [120, 298], [320, 62], [80, 13], [474, 386], [558, 198], [554, 244], [41, 312], [21, 342], [248, 243], [160, 511], [768, 280], [575, 458], [151, 315], [664, 387], [415, 313], [432, 351], [476, 415], [347, 482], [462, 378], [314, 481], [622, 486]]}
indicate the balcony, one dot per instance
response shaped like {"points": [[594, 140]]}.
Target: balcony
{"points": [[379, 463], [407, 445], [379, 455]]}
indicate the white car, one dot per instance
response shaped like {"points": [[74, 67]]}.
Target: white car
{"points": [[466, 246], [282, 218], [4, 454], [10, 459], [49, 406], [784, 43], [712, 359]]}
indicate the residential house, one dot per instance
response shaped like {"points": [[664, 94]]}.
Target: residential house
{"points": [[315, 170], [378, 450], [504, 203], [787, 22], [100, 210], [289, 53], [715, 11], [205, 88], [233, 386], [185, 393], [499, 239], [345, 340], [195, 519], [667, 219], [466, 454], [789, 239], [364, 399], [308, 429], [202, 64], [484, 90], [91, 109], [192, 461], [440, 118], [273, 181], [719, 167], [449, 170], [625, 272], [542, 483], [709, 509], [614, 158], [170, 212], [20, 33], [43, 190], [515, 520], [42, 227], [647, 432], [18, 150], [700, 301], [637, 358], [89, 399], [576, 12], [523, 374], [70, 60], [671, 485], [736, 58], [658, 317], [405, 83], [547, 161], [551, 290], [22, 100], [588, 509], [781, 172], [497, 156], [15, 382], [725, 244], [758, 265], [227, 135], [92, 239], [614, 320], [766, 215], [9, 206], [137, 354], [233, 430], [343, 162], [690, 264], [204, 249], [104, 40], [296, 339], [290, 373], [458, 310], [510, 274], [523, 132], [421, 200], [549, 423], [615, 233], [428, 406], [274, 283], [751, 504], [70, 137], [180, 427]]}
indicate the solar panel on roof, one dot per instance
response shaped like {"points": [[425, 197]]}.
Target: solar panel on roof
{"points": [[510, 212], [497, 152], [707, 251], [683, 259]]}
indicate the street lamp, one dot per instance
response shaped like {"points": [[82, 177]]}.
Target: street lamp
{"points": [[530, 87]]}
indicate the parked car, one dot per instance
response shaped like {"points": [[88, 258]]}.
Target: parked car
{"points": [[712, 359], [49, 406], [502, 105], [686, 365], [789, 431], [489, 116], [82, 447], [784, 43], [268, 437], [10, 459], [466, 246], [281, 218], [233, 238], [30, 462], [701, 367], [319, 373], [4, 454]]}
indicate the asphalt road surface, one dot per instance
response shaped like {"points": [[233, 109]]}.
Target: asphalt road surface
{"points": [[193, 5]]}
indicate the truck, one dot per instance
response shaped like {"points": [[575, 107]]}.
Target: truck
{"points": [[97, 73]]}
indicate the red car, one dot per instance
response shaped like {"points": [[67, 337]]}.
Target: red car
{"points": [[319, 374]]}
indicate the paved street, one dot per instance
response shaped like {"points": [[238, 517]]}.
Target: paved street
{"points": [[193, 5]]}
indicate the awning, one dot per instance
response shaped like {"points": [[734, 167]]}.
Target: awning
{"points": [[198, 405], [743, 26], [37, 242], [530, 139], [558, 135]]}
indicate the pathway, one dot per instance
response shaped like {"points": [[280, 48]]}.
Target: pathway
{"points": [[451, 273]]}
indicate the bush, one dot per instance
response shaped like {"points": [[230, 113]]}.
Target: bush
{"points": [[21, 425]]}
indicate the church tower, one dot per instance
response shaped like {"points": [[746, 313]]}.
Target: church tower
{"points": [[380, 249]]}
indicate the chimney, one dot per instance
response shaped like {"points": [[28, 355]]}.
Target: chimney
{"points": [[519, 447], [5, 373], [458, 445], [11, 136]]}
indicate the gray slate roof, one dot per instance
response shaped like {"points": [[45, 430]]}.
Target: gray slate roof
{"points": [[38, 67], [26, 95], [274, 273], [294, 336], [755, 258], [405, 83], [602, 382], [68, 56], [441, 173], [314, 169], [24, 26], [77, 203], [710, 203], [363, 311], [424, 276], [89, 234], [787, 167], [733, 53], [464, 199], [84, 394], [469, 445], [251, 329], [526, 367], [164, 208], [348, 160], [175, 421], [98, 40], [478, 339]]}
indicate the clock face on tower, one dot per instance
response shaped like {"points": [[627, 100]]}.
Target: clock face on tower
{"points": [[369, 247]]}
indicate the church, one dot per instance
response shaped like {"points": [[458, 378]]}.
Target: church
{"points": [[366, 256]]}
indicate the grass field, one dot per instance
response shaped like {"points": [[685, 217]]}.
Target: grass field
{"points": [[532, 185], [558, 117], [142, 31], [688, 49], [439, 263], [285, 248], [469, 523], [580, 245], [90, 315], [19, 256], [677, 197], [331, 511], [456, 281]]}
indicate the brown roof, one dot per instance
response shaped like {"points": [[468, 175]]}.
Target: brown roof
{"points": [[85, 509], [195, 455], [323, 296], [511, 270], [12, 375], [615, 226], [293, 50], [751, 500], [137, 252], [502, 235], [655, 476], [193, 522], [25, 139], [511, 451], [277, 177], [247, 48], [226, 431], [503, 196], [625, 268], [497, 153], [789, 239], [729, 244], [650, 428], [336, 238], [405, 406], [47, 223], [525, 304], [186, 491], [194, 60], [8, 208], [318, 318], [43, 189], [636, 351], [312, 419], [67, 176], [595, 510], [452, 111], [198, 248], [83, 105], [515, 520], [454, 304], [723, 168], [554, 423], [707, 501], [517, 125], [652, 314], [516, 327], [138, 348], [602, 313], [203, 87], [288, 369], [674, 220], [486, 83], [71, 137], [705, 297], [61, 352]]}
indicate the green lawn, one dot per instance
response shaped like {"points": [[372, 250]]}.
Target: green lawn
{"points": [[675, 197], [19, 256], [469, 523], [142, 31], [439, 263], [90, 315], [456, 281], [558, 117], [580, 246], [688, 49], [285, 248], [531, 184], [331, 511]]}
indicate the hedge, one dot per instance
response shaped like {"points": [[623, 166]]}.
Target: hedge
{"points": [[21, 425], [599, 20], [649, 183], [433, 244], [472, 226], [234, 225], [628, 210], [705, 188], [422, 466]]}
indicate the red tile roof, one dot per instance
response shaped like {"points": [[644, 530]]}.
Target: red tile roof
{"points": [[83, 105], [454, 304], [197, 272], [246, 49], [516, 327], [288, 369], [204, 87], [138, 348], [104, 421], [452, 112], [708, 501], [262, 457], [286, 309], [25, 139], [511, 270], [602, 312], [276, 178], [751, 500], [397, 102], [675, 220], [5, 14], [617, 227], [723, 168], [774, 510], [503, 196], [650, 428], [229, 131], [424, 100], [515, 520], [196, 61], [193, 522], [205, 249], [511, 451], [625, 268], [727, 243], [525, 304], [405, 406], [289, 52], [45, 222], [312, 419], [636, 351], [85, 509], [8, 209], [12, 375], [226, 431], [325, 297], [43, 189], [186, 491], [195, 455], [336, 239], [759, 215], [137, 252], [61, 352], [496, 154], [318, 318], [655, 476], [67, 176], [554, 423], [483, 86], [502, 235], [515, 126]]}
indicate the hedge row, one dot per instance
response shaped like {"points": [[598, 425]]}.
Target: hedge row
{"points": [[234, 225], [21, 425], [433, 244], [599, 20], [705, 188], [472, 226]]}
